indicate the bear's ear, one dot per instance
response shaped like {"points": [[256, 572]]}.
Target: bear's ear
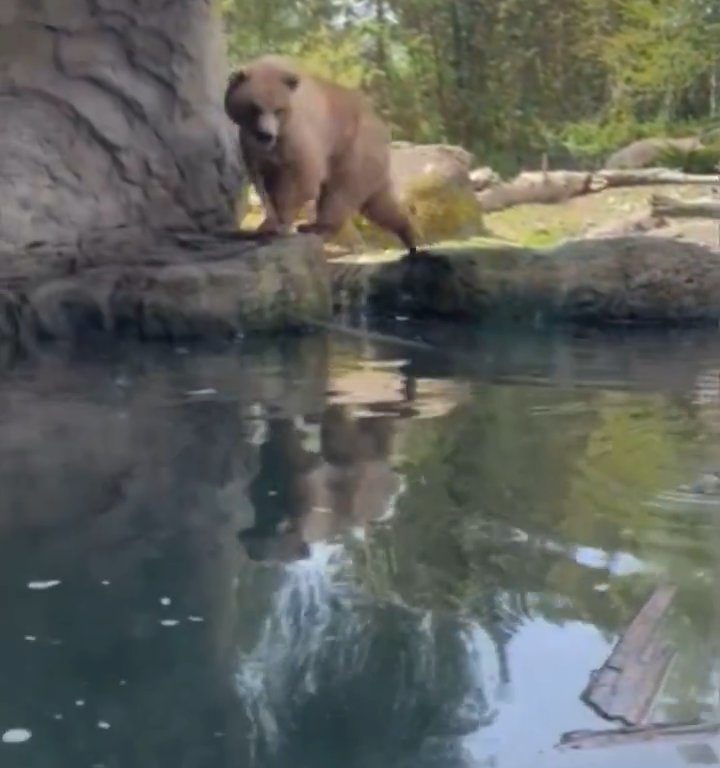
{"points": [[237, 78], [292, 81]]}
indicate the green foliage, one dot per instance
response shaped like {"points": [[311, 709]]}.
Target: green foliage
{"points": [[654, 51], [334, 56], [703, 161], [507, 79], [597, 139]]}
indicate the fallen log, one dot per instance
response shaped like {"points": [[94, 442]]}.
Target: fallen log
{"points": [[626, 736], [546, 187], [484, 178], [647, 176], [697, 208], [539, 187], [625, 687]]}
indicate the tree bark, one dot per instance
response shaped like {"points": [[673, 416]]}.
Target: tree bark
{"points": [[538, 187], [112, 120], [647, 176], [698, 208]]}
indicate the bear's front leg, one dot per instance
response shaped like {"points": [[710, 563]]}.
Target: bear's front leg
{"points": [[271, 223], [289, 195]]}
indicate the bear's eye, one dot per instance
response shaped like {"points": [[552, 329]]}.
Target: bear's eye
{"points": [[250, 112], [280, 112]]}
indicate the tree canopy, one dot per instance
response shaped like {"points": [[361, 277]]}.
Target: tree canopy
{"points": [[508, 79]]}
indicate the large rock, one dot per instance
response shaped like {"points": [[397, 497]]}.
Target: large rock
{"points": [[182, 287], [433, 182], [647, 152], [633, 280], [413, 162], [111, 116]]}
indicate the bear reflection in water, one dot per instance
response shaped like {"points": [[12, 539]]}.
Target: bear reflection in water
{"points": [[301, 495]]}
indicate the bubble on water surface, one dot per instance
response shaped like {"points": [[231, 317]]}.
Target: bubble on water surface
{"points": [[16, 736], [41, 585]]}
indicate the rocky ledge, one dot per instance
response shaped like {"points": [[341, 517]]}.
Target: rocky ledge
{"points": [[633, 280], [176, 286], [184, 286]]}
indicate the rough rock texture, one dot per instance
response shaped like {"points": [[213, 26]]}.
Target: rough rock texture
{"points": [[111, 117], [636, 280], [646, 152], [411, 162], [185, 286]]}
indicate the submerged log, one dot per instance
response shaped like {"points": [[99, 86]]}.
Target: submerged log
{"points": [[673, 208], [637, 735], [625, 687]]}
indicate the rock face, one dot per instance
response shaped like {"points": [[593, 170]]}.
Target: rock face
{"points": [[412, 162], [111, 117], [187, 287], [630, 280], [646, 152], [433, 182]]}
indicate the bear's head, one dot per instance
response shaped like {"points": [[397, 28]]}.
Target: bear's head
{"points": [[258, 98]]}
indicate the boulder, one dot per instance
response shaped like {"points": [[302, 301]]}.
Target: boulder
{"points": [[191, 287], [112, 117], [433, 181], [645, 153], [628, 280], [412, 162]]}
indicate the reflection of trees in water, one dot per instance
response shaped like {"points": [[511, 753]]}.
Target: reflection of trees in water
{"points": [[337, 679], [334, 676], [529, 503], [519, 504]]}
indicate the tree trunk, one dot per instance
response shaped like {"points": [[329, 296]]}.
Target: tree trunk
{"points": [[649, 176], [112, 120], [699, 208]]}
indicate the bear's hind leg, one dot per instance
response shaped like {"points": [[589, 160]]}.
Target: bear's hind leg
{"points": [[384, 210]]}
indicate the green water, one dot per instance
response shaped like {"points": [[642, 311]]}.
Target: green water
{"points": [[335, 551]]}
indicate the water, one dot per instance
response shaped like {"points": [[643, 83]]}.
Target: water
{"points": [[339, 551]]}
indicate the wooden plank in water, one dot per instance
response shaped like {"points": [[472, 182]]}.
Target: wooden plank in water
{"points": [[625, 687], [694, 731]]}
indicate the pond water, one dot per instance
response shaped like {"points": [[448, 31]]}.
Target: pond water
{"points": [[347, 551]]}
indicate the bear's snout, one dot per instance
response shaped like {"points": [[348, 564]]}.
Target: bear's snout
{"points": [[264, 137]]}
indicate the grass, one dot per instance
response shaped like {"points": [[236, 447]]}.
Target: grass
{"points": [[543, 226], [533, 226]]}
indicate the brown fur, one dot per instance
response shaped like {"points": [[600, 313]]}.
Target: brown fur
{"points": [[305, 140]]}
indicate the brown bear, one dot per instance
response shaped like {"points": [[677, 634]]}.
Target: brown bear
{"points": [[305, 140]]}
